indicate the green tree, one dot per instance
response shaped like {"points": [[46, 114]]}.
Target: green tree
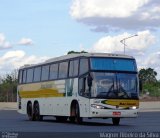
{"points": [[75, 52], [8, 87], [148, 75], [149, 81]]}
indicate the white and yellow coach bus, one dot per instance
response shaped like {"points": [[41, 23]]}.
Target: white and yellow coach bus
{"points": [[76, 86]]}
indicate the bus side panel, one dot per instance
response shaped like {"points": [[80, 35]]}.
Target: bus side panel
{"points": [[50, 103]]}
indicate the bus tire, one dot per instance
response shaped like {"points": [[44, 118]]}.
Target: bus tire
{"points": [[78, 119], [30, 111], [72, 119], [61, 118], [37, 116], [116, 121], [75, 113]]}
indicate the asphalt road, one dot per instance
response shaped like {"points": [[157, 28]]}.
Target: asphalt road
{"points": [[11, 121]]}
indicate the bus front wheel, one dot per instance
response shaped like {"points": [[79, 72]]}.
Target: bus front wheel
{"points": [[75, 114], [61, 118], [78, 119], [116, 121]]}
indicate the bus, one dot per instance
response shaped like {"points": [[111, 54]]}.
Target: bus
{"points": [[77, 86]]}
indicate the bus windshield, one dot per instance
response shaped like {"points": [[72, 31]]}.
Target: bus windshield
{"points": [[114, 85], [113, 64]]}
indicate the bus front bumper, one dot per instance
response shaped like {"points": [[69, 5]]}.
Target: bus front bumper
{"points": [[107, 113]]}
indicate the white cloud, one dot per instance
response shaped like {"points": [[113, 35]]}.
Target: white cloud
{"points": [[15, 59], [105, 15], [152, 61], [153, 13], [138, 43], [25, 41], [4, 44], [105, 8], [13, 54]]}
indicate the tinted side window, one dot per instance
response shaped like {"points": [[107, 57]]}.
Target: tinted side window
{"points": [[37, 74], [73, 68], [83, 66], [24, 76], [63, 70], [29, 75], [53, 71], [45, 72], [20, 77]]}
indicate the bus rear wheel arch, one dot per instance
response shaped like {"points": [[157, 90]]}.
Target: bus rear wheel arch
{"points": [[75, 113]]}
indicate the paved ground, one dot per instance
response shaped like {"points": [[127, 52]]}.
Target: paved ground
{"points": [[8, 106], [11, 121], [150, 106]]}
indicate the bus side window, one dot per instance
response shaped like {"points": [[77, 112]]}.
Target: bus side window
{"points": [[45, 73], [63, 70], [53, 71], [37, 74], [29, 75], [83, 88], [89, 81], [20, 77], [73, 68], [24, 76], [83, 66]]}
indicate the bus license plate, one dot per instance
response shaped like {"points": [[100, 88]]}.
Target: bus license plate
{"points": [[116, 113]]}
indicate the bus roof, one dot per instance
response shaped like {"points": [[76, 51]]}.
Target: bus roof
{"points": [[70, 56]]}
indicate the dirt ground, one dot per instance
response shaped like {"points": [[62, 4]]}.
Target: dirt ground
{"points": [[146, 98]]}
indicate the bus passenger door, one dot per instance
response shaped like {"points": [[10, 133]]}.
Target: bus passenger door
{"points": [[84, 95]]}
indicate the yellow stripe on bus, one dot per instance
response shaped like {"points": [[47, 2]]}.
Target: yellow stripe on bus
{"points": [[41, 94]]}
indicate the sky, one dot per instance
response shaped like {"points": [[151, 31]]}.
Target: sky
{"points": [[32, 31]]}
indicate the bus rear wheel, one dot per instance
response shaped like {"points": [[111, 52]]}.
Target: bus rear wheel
{"points": [[29, 111], [37, 116], [116, 121]]}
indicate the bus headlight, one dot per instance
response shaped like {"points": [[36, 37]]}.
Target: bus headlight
{"points": [[133, 107], [97, 106]]}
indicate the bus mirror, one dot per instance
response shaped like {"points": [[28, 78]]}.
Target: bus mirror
{"points": [[89, 80], [140, 85]]}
